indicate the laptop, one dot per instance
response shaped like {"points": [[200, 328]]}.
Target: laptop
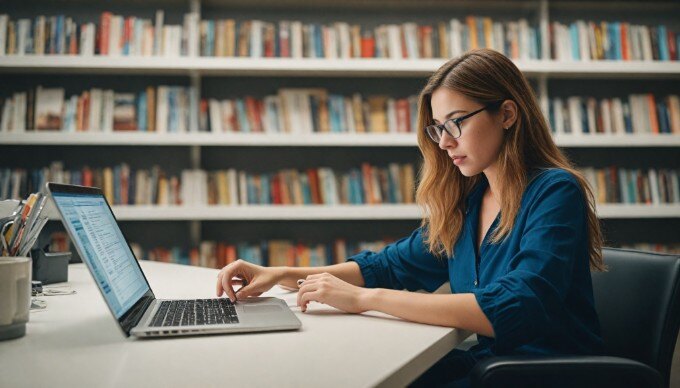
{"points": [[94, 231]]}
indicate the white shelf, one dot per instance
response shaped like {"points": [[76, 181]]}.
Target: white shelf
{"points": [[638, 211], [339, 212], [622, 140], [268, 212], [316, 67], [302, 140], [208, 139], [602, 69], [323, 212]]}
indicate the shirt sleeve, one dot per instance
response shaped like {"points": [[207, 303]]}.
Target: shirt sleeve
{"points": [[404, 264], [530, 299]]}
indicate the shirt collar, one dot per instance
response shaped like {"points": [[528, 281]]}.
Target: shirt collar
{"points": [[478, 191]]}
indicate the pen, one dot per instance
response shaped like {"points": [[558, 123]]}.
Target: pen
{"points": [[12, 230], [19, 225], [5, 227], [34, 237], [244, 282], [32, 219]]}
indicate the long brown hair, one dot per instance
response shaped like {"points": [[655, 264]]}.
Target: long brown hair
{"points": [[486, 76]]}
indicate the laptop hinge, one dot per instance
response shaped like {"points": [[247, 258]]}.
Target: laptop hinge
{"points": [[132, 317]]}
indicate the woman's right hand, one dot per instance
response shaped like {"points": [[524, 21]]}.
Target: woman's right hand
{"points": [[259, 279]]}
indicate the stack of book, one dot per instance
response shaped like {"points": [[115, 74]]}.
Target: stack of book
{"points": [[638, 114]]}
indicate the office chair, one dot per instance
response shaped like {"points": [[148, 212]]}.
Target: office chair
{"points": [[638, 303]]}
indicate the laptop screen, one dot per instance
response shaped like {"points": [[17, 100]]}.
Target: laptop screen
{"points": [[94, 230]]}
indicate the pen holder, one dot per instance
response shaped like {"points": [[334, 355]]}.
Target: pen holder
{"points": [[15, 296], [50, 267]]}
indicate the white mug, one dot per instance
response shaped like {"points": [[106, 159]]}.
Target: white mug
{"points": [[15, 296]]}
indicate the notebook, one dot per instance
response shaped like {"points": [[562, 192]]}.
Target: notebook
{"points": [[98, 239]]}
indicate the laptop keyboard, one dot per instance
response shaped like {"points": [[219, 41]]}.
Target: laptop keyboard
{"points": [[195, 312]]}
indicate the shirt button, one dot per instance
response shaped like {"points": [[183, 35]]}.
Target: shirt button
{"points": [[475, 283]]}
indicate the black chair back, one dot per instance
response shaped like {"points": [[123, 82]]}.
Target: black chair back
{"points": [[638, 303]]}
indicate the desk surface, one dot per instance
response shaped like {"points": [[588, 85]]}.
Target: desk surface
{"points": [[77, 342]]}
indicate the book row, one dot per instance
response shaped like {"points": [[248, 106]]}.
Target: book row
{"points": [[272, 252], [313, 111], [113, 35], [278, 252], [119, 35], [633, 186], [294, 39], [162, 109], [366, 184], [267, 252], [177, 109], [588, 40], [637, 114]]}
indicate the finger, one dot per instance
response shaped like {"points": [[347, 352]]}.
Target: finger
{"points": [[309, 297], [317, 276], [220, 278], [229, 272], [218, 291], [304, 288], [312, 277], [307, 286], [245, 291], [220, 275], [237, 282]]}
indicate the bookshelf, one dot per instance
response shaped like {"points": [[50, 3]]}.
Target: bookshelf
{"points": [[214, 77]]}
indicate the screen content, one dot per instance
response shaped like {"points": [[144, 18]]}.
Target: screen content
{"points": [[94, 230]]}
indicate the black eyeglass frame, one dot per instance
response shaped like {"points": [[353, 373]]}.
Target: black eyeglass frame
{"points": [[458, 121]]}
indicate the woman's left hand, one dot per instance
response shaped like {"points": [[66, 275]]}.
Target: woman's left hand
{"points": [[328, 289]]}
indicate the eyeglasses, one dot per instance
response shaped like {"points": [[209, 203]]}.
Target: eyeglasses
{"points": [[453, 126]]}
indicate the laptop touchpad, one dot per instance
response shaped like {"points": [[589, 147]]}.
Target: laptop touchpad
{"points": [[267, 308]]}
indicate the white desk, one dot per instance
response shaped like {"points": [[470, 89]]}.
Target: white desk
{"points": [[77, 343]]}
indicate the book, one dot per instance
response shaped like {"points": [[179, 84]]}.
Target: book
{"points": [[49, 103], [124, 112]]}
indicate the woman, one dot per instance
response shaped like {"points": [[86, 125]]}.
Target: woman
{"points": [[509, 223]]}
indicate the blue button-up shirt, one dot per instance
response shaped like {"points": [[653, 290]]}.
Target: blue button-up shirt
{"points": [[534, 286]]}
